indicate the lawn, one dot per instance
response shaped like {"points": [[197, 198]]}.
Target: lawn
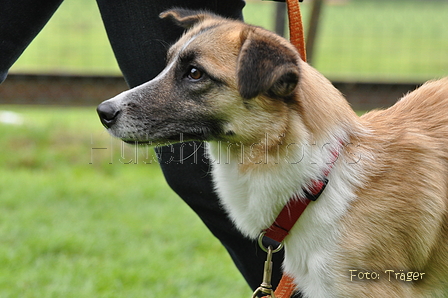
{"points": [[363, 40], [384, 41], [82, 222], [77, 222]]}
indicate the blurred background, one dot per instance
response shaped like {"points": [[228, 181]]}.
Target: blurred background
{"points": [[366, 43], [83, 215]]}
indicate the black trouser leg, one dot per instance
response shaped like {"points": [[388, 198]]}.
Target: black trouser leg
{"points": [[20, 22]]}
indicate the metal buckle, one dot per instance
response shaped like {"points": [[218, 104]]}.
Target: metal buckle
{"points": [[264, 248], [266, 286]]}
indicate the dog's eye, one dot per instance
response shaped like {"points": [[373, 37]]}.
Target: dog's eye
{"points": [[194, 73]]}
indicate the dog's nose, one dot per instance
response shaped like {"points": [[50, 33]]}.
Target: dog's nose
{"points": [[108, 113]]}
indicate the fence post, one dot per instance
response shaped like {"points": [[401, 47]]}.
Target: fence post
{"points": [[312, 29], [280, 18]]}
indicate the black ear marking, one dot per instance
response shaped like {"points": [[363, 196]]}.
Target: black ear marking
{"points": [[185, 18], [266, 66]]}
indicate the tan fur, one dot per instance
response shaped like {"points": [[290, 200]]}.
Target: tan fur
{"points": [[386, 205], [400, 221]]}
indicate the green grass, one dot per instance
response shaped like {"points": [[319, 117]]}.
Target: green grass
{"points": [[400, 40], [77, 222], [74, 225], [73, 41], [384, 41]]}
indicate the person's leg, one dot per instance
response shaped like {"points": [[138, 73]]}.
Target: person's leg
{"points": [[20, 22], [140, 40]]}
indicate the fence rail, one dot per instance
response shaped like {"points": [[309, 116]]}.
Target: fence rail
{"points": [[91, 90]]}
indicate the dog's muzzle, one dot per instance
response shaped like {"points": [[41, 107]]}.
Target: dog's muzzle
{"points": [[108, 113]]}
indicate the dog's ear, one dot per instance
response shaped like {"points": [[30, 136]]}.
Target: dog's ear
{"points": [[185, 18], [265, 65]]}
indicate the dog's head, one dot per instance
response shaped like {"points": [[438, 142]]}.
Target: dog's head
{"points": [[224, 80]]}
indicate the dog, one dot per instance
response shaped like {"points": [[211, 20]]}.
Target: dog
{"points": [[273, 125]]}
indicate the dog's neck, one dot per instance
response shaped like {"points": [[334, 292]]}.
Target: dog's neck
{"points": [[256, 180], [254, 188]]}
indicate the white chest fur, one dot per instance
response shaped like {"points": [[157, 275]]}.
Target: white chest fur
{"points": [[253, 198]]}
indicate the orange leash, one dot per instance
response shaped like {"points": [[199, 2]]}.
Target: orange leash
{"points": [[296, 33], [285, 288]]}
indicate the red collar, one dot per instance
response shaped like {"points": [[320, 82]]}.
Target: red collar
{"points": [[293, 210], [296, 206]]}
